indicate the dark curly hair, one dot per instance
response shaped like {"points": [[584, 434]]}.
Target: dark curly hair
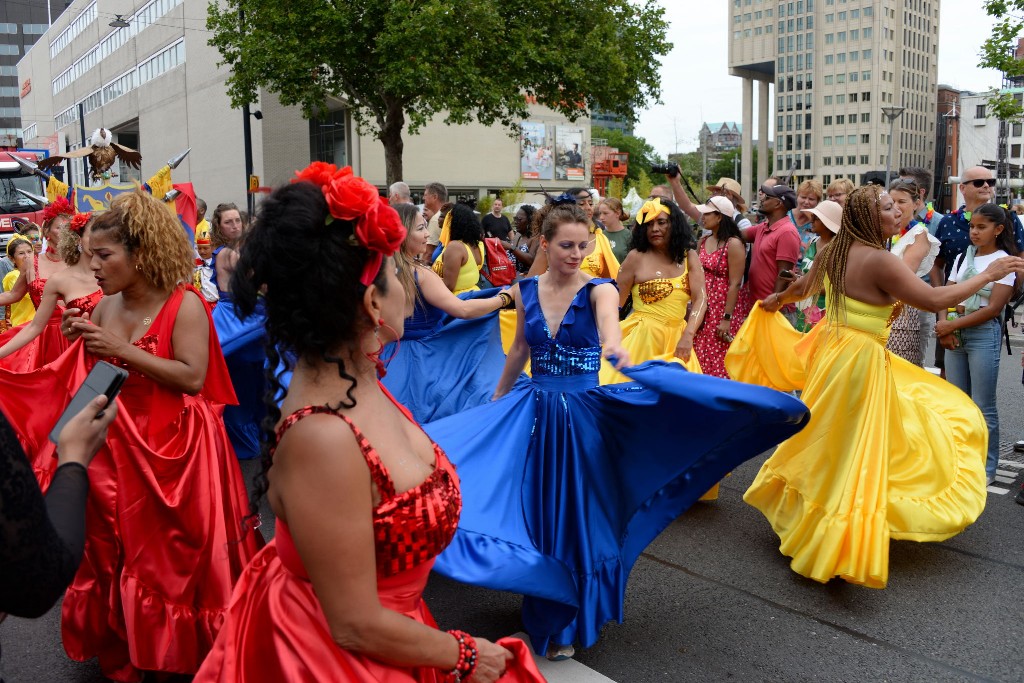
{"points": [[679, 242], [528, 212], [310, 274], [465, 225]]}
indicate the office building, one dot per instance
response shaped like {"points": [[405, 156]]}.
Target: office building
{"points": [[834, 65], [144, 70], [21, 24], [979, 144], [947, 140]]}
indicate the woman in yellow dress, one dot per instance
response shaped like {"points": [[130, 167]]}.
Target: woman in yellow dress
{"points": [[662, 275], [891, 451], [463, 257]]}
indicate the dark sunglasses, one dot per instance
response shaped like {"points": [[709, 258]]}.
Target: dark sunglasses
{"points": [[981, 182]]}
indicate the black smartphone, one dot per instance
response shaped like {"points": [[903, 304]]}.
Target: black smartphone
{"points": [[104, 379]]}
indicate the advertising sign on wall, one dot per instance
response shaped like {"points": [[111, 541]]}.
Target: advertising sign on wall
{"points": [[536, 155]]}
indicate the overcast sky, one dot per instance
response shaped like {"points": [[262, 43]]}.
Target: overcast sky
{"points": [[696, 85]]}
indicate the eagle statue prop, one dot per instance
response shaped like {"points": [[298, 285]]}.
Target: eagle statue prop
{"points": [[102, 154]]}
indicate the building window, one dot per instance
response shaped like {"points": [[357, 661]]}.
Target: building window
{"points": [[327, 140], [840, 99], [867, 32], [828, 80], [865, 138], [827, 100], [851, 159], [853, 97], [865, 118], [1015, 151], [865, 97], [34, 30], [84, 18], [827, 142], [854, 35], [6, 49], [827, 121], [840, 119], [829, 38], [1016, 130], [851, 139], [864, 159], [979, 111], [828, 59]]}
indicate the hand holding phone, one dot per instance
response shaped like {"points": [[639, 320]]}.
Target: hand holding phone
{"points": [[103, 380], [86, 432]]}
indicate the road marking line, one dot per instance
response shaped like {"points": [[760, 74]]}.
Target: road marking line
{"points": [[1012, 463], [1004, 473], [1005, 480], [996, 489]]}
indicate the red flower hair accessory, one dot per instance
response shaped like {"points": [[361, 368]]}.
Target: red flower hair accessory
{"points": [[58, 207], [78, 222], [350, 198]]}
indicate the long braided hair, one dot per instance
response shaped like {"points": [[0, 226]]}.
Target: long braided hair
{"points": [[862, 222]]}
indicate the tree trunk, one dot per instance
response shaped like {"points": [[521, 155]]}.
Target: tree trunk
{"points": [[391, 137]]}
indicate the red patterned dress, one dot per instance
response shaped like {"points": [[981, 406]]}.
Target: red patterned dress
{"points": [[709, 348], [275, 629]]}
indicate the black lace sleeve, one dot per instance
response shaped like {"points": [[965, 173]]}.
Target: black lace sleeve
{"points": [[40, 542]]}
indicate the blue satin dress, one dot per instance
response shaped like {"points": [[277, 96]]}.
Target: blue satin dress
{"points": [[565, 482], [444, 365], [242, 342]]}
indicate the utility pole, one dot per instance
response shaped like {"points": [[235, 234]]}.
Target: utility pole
{"points": [[891, 113]]}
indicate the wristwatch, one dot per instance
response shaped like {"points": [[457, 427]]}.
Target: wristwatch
{"points": [[727, 316]]}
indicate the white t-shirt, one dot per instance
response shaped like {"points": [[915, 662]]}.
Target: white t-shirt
{"points": [[980, 264]]}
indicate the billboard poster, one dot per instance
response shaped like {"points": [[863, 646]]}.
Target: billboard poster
{"points": [[536, 155], [569, 153]]}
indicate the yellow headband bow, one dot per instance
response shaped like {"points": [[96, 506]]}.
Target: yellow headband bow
{"points": [[650, 210]]}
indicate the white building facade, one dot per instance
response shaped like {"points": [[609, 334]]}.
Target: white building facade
{"points": [[157, 85]]}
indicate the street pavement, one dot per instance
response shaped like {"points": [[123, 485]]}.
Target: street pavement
{"points": [[712, 599]]}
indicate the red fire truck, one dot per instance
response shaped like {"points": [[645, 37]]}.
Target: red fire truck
{"points": [[15, 207]]}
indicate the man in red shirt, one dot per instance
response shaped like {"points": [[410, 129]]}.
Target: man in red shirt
{"points": [[776, 243]]}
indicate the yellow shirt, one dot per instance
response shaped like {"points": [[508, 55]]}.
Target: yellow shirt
{"points": [[23, 311]]}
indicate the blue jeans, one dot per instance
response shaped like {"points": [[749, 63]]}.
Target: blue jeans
{"points": [[974, 368]]}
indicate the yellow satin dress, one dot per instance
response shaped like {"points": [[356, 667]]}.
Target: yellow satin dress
{"points": [[601, 262], [891, 451], [652, 330], [468, 278]]}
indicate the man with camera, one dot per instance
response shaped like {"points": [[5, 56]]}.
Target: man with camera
{"points": [[726, 187]]}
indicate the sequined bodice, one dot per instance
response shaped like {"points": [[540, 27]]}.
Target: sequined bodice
{"points": [[147, 343], [86, 304], [35, 290], [662, 298], [411, 527], [575, 349]]}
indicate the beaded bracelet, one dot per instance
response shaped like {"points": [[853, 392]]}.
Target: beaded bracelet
{"points": [[467, 657], [506, 299]]}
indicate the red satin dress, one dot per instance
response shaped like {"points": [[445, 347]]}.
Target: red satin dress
{"points": [[275, 630], [165, 541], [45, 348]]}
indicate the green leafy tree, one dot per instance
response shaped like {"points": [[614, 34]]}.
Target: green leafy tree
{"points": [[513, 195], [400, 63], [999, 52], [729, 165], [642, 184], [616, 187]]}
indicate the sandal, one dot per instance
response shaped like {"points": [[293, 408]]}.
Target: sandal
{"points": [[560, 653]]}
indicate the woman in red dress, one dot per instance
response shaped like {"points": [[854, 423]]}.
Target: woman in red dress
{"points": [[40, 341], [364, 500], [50, 343], [166, 509]]}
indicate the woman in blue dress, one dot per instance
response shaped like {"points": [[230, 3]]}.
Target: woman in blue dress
{"points": [[566, 482], [450, 356]]}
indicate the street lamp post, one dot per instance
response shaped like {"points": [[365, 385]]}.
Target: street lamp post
{"points": [[891, 113]]}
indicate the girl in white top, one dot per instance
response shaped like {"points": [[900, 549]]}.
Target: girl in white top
{"points": [[972, 339], [918, 249]]}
